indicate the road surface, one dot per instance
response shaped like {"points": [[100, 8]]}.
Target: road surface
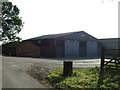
{"points": [[14, 73]]}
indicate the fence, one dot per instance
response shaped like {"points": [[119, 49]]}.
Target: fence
{"points": [[110, 58]]}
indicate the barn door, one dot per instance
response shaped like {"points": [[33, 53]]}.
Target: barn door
{"points": [[68, 48], [91, 49], [71, 48], [75, 49]]}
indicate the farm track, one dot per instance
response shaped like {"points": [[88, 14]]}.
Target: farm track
{"points": [[14, 69]]}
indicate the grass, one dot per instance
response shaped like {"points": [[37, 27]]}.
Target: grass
{"points": [[85, 78]]}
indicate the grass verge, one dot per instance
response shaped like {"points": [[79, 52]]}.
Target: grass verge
{"points": [[85, 78]]}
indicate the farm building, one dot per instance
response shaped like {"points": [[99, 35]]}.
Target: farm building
{"points": [[9, 49], [73, 44], [110, 43]]}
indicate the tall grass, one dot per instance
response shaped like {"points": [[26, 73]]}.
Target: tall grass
{"points": [[85, 78]]}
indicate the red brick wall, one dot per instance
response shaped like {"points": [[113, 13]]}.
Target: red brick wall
{"points": [[28, 49]]}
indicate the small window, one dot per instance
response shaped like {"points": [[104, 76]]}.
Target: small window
{"points": [[83, 35], [39, 42]]}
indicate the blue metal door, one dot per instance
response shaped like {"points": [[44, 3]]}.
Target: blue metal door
{"points": [[92, 49], [71, 48]]}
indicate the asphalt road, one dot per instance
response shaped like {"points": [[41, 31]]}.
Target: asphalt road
{"points": [[14, 75], [14, 70]]}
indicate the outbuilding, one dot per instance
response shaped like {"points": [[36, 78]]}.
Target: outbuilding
{"points": [[65, 45], [68, 45], [110, 43]]}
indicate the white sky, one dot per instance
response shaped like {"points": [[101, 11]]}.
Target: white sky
{"points": [[96, 17]]}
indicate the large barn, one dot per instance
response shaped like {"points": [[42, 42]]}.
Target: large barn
{"points": [[73, 44]]}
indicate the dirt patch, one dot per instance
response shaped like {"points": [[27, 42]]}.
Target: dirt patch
{"points": [[40, 74]]}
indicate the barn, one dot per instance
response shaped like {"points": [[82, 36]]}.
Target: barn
{"points": [[110, 43], [65, 45]]}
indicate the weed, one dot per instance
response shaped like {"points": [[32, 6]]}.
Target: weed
{"points": [[85, 78]]}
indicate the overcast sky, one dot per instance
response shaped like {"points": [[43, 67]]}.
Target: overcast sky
{"points": [[96, 17]]}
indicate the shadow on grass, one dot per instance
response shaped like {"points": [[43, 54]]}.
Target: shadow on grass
{"points": [[101, 78], [109, 78], [58, 79]]}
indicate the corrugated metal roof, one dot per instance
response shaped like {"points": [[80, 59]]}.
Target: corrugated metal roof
{"points": [[51, 36]]}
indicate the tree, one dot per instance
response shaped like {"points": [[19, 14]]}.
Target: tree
{"points": [[11, 23]]}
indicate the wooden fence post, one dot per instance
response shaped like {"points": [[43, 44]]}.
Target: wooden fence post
{"points": [[102, 58], [68, 68]]}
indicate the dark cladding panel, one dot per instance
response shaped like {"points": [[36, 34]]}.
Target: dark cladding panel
{"points": [[82, 49], [59, 52], [59, 48]]}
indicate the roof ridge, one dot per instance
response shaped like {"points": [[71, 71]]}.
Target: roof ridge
{"points": [[62, 34]]}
